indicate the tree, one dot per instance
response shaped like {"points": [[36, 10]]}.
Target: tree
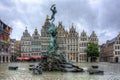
{"points": [[92, 51]]}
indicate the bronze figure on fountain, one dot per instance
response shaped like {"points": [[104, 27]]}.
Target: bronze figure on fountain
{"points": [[55, 61], [52, 31]]}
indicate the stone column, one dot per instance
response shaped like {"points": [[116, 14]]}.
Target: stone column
{"points": [[8, 58], [5, 59], [1, 59]]}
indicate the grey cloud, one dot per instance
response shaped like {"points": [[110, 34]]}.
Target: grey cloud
{"points": [[102, 17]]}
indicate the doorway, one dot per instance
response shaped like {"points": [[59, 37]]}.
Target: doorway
{"points": [[116, 59]]}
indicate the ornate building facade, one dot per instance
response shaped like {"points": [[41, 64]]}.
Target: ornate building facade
{"points": [[72, 45], [116, 48], [83, 42], [26, 44], [110, 51], [61, 38], [69, 42], [4, 42], [44, 36], [93, 38], [35, 44], [84, 39]]}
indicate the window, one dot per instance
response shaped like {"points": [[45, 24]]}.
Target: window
{"points": [[22, 48], [29, 43], [115, 52]]}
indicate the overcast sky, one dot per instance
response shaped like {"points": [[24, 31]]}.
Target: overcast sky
{"points": [[101, 16]]}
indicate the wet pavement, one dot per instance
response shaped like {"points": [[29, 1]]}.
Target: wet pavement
{"points": [[112, 72]]}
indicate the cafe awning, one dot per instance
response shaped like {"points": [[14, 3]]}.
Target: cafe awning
{"points": [[23, 58], [36, 57]]}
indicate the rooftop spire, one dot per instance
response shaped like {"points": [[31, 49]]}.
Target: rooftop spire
{"points": [[26, 27], [83, 33], [93, 34], [72, 28], [72, 24], [35, 32]]}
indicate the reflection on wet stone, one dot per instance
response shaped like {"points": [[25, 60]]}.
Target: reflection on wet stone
{"points": [[112, 72]]}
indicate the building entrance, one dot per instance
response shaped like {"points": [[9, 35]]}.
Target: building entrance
{"points": [[116, 59]]}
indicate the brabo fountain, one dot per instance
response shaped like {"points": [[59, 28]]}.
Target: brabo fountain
{"points": [[55, 61]]}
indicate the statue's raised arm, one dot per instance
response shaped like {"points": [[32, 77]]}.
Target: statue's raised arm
{"points": [[52, 7], [54, 11]]}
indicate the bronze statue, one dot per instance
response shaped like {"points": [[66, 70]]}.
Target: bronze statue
{"points": [[52, 31], [53, 46], [54, 11]]}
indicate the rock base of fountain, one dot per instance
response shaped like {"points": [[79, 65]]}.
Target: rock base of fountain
{"points": [[13, 67], [57, 63], [94, 70]]}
